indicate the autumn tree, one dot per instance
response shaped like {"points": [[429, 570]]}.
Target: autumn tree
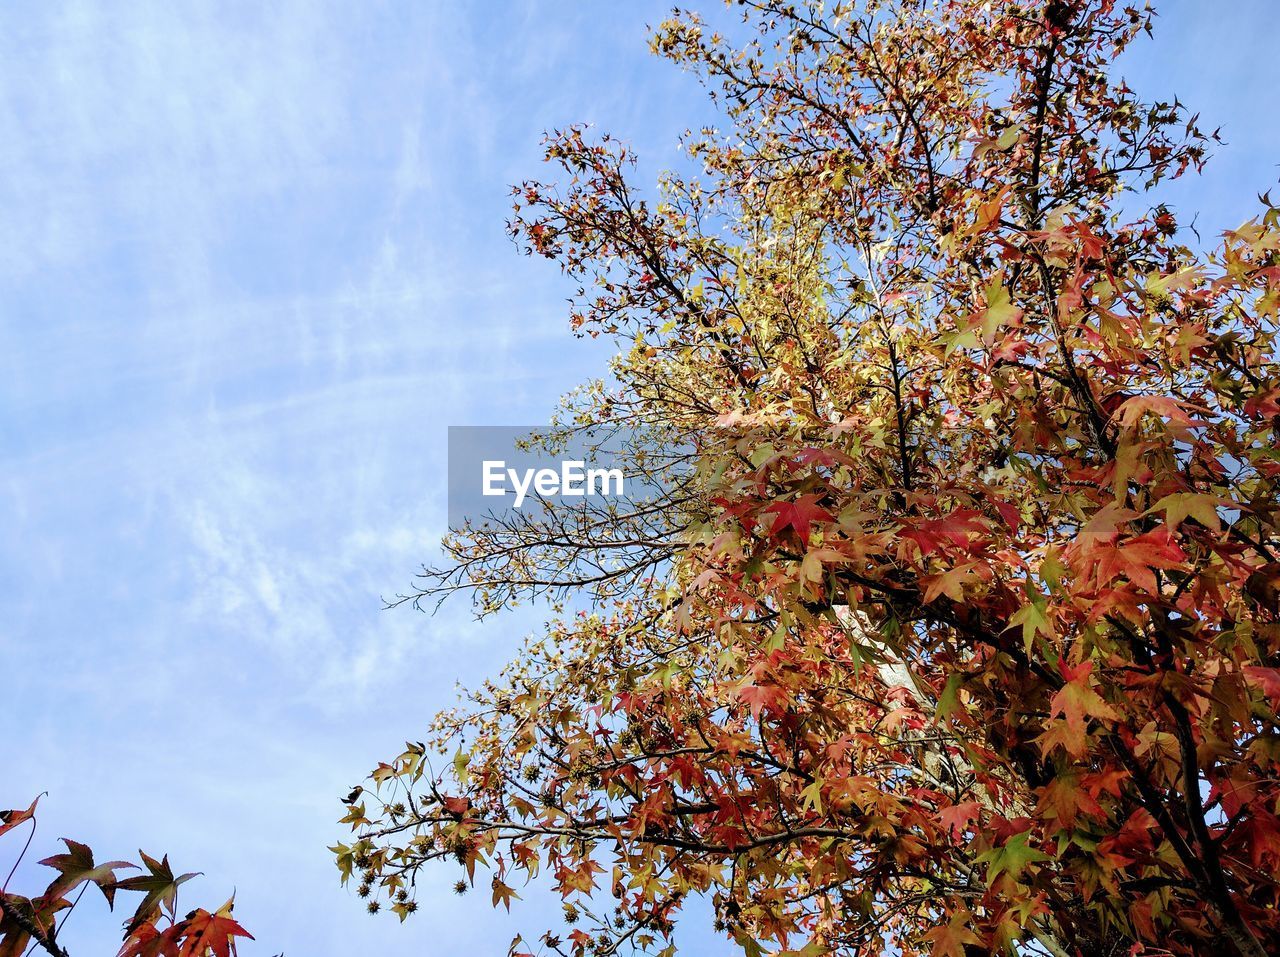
{"points": [[956, 631]]}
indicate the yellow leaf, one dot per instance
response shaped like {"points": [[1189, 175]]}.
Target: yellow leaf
{"points": [[1000, 311], [1180, 506]]}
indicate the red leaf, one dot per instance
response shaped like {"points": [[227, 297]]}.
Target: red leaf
{"points": [[457, 806], [147, 941], [799, 515], [1266, 679], [11, 819], [957, 818], [205, 933], [759, 697]]}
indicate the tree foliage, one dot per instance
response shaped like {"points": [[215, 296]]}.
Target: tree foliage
{"points": [[958, 634], [154, 929]]}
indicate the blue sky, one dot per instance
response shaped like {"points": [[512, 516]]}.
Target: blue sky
{"points": [[252, 264]]}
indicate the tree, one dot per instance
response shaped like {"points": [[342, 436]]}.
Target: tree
{"points": [[957, 633], [154, 930]]}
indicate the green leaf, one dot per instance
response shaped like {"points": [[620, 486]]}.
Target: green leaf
{"points": [[1000, 310], [1012, 858], [460, 761], [949, 700], [159, 886], [1033, 619], [1008, 137]]}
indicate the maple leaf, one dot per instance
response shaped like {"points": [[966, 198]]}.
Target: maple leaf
{"points": [[759, 697], [822, 457], [1265, 679], [957, 818], [949, 939], [1064, 800], [999, 311], [955, 529], [146, 940], [1076, 701], [503, 893], [17, 914], [77, 866], [1011, 858], [799, 515], [456, 806], [1034, 620], [1180, 506], [204, 933], [1133, 409], [815, 560], [950, 583], [1137, 558], [11, 819], [159, 886], [989, 212], [1263, 586]]}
